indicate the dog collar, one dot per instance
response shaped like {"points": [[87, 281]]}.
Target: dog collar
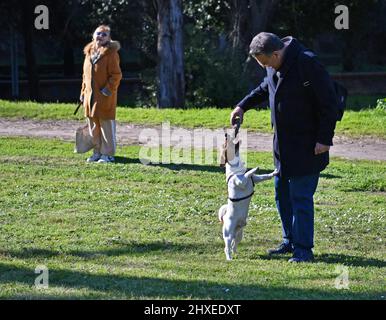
{"points": [[243, 198]]}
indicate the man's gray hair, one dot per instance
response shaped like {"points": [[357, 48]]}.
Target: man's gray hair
{"points": [[265, 43]]}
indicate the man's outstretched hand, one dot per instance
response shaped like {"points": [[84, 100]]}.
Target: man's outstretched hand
{"points": [[237, 112], [321, 148]]}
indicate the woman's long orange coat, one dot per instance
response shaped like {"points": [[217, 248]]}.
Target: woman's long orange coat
{"points": [[105, 73]]}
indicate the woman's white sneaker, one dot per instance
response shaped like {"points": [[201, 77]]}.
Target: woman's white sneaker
{"points": [[94, 157], [106, 159]]}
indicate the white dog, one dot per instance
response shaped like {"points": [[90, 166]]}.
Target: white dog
{"points": [[240, 190]]}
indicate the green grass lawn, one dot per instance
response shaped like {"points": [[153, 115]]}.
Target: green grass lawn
{"points": [[366, 122], [131, 231]]}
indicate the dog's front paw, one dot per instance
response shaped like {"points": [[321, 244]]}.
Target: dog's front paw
{"points": [[275, 173]]}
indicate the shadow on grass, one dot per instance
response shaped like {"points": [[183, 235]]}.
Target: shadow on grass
{"points": [[117, 249], [354, 261], [196, 167], [126, 160], [170, 166], [133, 248], [329, 176], [188, 167], [346, 260], [137, 287]]}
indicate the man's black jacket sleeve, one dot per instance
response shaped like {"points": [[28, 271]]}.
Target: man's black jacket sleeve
{"points": [[255, 97]]}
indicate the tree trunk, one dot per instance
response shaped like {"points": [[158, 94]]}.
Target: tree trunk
{"points": [[240, 28], [249, 17], [260, 12], [68, 57], [349, 50], [171, 79], [32, 72], [68, 53]]}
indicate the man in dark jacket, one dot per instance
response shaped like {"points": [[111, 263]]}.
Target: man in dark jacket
{"points": [[303, 107]]}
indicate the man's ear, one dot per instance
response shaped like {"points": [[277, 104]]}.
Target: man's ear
{"points": [[276, 54]]}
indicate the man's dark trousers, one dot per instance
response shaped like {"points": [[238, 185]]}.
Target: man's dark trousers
{"points": [[295, 203]]}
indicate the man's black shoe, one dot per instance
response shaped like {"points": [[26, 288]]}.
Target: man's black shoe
{"points": [[299, 260], [283, 248], [302, 257]]}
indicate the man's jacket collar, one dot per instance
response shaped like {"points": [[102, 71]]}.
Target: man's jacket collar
{"points": [[293, 48]]}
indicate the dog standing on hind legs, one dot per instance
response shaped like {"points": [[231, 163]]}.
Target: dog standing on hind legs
{"points": [[240, 184]]}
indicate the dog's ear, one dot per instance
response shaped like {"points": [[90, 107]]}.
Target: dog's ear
{"points": [[223, 154], [241, 182], [223, 158], [237, 139], [230, 134]]}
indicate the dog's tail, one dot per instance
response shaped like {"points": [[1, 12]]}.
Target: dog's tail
{"points": [[221, 212]]}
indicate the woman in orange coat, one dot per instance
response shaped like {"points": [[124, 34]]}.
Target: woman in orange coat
{"points": [[101, 77]]}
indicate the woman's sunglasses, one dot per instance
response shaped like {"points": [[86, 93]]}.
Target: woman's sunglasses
{"points": [[102, 34]]}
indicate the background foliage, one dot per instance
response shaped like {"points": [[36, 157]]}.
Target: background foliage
{"points": [[217, 34]]}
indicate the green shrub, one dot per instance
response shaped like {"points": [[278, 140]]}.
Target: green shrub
{"points": [[214, 75], [381, 104]]}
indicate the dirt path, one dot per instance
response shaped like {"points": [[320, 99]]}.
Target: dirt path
{"points": [[128, 134]]}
